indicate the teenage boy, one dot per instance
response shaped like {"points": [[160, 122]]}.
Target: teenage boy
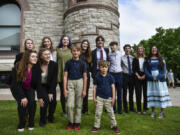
{"points": [[116, 71], [104, 94], [75, 78], [98, 54], [128, 79]]}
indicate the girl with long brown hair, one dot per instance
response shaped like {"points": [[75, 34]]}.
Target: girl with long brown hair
{"points": [[86, 55], [25, 80], [47, 43], [28, 45], [48, 86]]}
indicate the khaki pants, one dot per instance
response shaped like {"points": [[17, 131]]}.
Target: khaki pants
{"points": [[99, 109], [75, 88]]}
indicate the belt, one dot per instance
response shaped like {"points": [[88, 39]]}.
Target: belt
{"points": [[116, 72], [126, 74]]}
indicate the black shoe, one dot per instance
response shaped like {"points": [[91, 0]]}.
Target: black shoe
{"points": [[133, 110], [85, 112], [120, 112], [51, 120], [126, 111], [42, 124]]}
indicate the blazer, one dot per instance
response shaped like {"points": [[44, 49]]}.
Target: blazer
{"points": [[16, 87], [136, 68], [51, 77], [94, 61], [18, 57]]}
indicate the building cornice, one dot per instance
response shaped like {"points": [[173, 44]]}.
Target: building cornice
{"points": [[78, 7]]}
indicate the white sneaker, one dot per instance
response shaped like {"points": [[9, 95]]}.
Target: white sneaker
{"points": [[31, 128], [153, 114], [161, 115], [20, 129]]}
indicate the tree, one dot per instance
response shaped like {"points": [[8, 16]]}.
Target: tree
{"points": [[168, 42]]}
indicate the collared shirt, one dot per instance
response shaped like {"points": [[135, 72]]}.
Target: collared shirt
{"points": [[98, 52], [74, 69], [124, 63], [115, 62], [103, 84]]}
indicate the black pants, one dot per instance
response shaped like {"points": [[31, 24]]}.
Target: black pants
{"points": [[52, 105], [30, 108], [85, 100], [62, 98], [140, 86], [118, 85], [128, 83]]}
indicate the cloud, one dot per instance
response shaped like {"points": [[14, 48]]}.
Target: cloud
{"points": [[140, 18]]}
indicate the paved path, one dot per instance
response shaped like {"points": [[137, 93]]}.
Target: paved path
{"points": [[5, 94]]}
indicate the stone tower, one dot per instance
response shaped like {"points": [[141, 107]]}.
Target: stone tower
{"points": [[86, 19]]}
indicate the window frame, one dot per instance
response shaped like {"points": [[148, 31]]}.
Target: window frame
{"points": [[14, 49]]}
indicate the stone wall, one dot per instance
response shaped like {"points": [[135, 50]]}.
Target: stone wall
{"points": [[88, 23], [45, 18], [112, 3]]}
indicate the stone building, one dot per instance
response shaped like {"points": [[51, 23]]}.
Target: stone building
{"points": [[34, 19]]}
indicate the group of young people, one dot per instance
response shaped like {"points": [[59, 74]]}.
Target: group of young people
{"points": [[70, 66]]}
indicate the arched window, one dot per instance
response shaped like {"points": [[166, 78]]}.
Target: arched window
{"points": [[10, 24]]}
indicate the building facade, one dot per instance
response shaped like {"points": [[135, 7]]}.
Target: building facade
{"points": [[34, 19]]}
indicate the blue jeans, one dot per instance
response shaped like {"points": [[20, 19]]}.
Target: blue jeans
{"points": [[118, 85]]}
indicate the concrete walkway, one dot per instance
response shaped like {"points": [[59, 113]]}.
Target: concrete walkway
{"points": [[5, 94]]}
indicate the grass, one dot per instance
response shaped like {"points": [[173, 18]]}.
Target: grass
{"points": [[129, 124]]}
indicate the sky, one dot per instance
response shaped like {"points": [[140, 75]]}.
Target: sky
{"points": [[139, 18]]}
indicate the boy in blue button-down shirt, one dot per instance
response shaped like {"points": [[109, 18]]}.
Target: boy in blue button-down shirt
{"points": [[75, 78], [104, 94]]}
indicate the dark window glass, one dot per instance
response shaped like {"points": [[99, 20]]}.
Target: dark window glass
{"points": [[10, 23], [81, 0]]}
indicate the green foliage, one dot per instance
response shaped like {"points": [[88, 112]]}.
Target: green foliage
{"points": [[129, 124], [168, 42]]}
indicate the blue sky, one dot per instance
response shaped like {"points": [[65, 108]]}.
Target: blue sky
{"points": [[140, 18]]}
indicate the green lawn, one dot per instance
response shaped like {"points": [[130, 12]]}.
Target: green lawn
{"points": [[129, 124]]}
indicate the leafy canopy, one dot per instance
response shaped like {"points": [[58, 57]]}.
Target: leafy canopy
{"points": [[168, 42]]}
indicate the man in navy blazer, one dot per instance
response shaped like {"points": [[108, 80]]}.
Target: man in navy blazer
{"points": [[98, 54]]}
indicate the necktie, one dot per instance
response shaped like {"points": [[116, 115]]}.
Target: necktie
{"points": [[101, 56], [129, 66]]}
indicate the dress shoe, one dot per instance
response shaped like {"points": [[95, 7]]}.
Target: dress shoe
{"points": [[133, 110]]}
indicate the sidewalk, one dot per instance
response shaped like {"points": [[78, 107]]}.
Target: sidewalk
{"points": [[5, 94]]}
